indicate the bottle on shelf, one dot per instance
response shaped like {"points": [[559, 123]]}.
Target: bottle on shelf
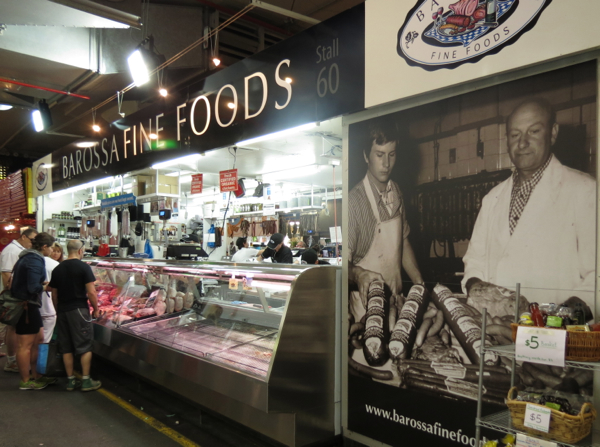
{"points": [[211, 236], [61, 231]]}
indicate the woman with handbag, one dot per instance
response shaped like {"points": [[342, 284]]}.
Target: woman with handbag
{"points": [[28, 281]]}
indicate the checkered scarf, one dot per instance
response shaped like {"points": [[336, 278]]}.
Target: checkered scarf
{"points": [[520, 194]]}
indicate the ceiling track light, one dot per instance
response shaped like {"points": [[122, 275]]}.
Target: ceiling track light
{"points": [[143, 61], [42, 117]]}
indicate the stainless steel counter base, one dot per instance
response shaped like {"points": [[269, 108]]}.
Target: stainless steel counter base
{"points": [[296, 404]]}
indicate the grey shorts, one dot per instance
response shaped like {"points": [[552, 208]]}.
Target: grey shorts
{"points": [[75, 332]]}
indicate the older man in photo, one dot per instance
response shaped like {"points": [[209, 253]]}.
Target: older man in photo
{"points": [[538, 227]]}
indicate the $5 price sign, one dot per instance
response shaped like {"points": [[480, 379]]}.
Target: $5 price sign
{"points": [[537, 417], [539, 345]]}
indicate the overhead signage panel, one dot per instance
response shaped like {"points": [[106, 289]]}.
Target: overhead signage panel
{"points": [[313, 76]]}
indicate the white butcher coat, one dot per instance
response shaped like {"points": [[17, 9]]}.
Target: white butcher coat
{"points": [[552, 252]]}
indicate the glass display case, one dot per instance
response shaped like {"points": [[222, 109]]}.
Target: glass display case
{"points": [[254, 342]]}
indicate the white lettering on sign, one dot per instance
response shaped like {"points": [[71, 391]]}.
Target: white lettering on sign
{"points": [[192, 116], [159, 144], [81, 161], [282, 83], [265, 90], [235, 103]]}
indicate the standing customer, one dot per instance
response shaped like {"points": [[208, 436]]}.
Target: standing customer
{"points": [[72, 286], [48, 312], [28, 281], [57, 252], [8, 259]]}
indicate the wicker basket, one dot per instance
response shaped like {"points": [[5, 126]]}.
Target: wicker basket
{"points": [[581, 346], [563, 427]]}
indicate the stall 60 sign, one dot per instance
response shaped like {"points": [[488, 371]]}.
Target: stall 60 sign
{"points": [[329, 76]]}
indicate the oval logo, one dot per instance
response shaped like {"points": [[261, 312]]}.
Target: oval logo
{"points": [[447, 33], [41, 177]]}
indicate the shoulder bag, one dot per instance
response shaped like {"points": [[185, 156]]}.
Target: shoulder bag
{"points": [[11, 308]]}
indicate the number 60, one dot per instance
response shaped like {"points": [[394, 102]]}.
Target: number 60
{"points": [[322, 85]]}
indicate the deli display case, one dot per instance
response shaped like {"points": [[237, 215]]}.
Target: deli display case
{"points": [[257, 343]]}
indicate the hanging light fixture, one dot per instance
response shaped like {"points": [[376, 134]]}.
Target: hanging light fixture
{"points": [[41, 117], [215, 50], [162, 91], [143, 61], [95, 127]]}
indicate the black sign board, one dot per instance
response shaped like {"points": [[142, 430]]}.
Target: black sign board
{"points": [[313, 76]]}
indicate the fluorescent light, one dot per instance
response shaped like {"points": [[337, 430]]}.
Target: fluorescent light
{"points": [[177, 173], [137, 68], [86, 144], [38, 124], [186, 179], [80, 187], [177, 161], [4, 107], [280, 134]]}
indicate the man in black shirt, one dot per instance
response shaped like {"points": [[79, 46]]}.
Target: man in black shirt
{"points": [[280, 253], [72, 286]]}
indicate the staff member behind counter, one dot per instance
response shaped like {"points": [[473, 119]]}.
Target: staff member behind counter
{"points": [[378, 231], [312, 257], [244, 254], [277, 251], [538, 227]]}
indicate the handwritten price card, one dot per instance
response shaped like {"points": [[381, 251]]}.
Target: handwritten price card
{"points": [[528, 441], [539, 345]]}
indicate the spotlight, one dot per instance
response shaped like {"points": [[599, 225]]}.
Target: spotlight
{"points": [[153, 136], [42, 118], [216, 61], [138, 68], [288, 80], [96, 128], [163, 92], [231, 105], [142, 61]]}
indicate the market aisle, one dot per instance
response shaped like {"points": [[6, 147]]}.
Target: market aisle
{"points": [[54, 418]]}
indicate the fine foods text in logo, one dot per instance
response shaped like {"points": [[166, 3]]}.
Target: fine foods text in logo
{"points": [[447, 33]]}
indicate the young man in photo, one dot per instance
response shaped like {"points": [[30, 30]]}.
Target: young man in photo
{"points": [[378, 231]]}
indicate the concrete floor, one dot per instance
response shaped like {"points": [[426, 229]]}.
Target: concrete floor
{"points": [[54, 417]]}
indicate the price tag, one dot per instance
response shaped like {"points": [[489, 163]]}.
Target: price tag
{"points": [[528, 441], [233, 283], [537, 417], [539, 345]]}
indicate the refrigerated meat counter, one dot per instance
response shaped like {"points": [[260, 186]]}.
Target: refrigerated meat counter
{"points": [[257, 343]]}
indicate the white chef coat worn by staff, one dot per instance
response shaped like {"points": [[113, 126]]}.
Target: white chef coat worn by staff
{"points": [[385, 253], [552, 251]]}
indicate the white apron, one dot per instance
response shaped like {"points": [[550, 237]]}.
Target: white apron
{"points": [[384, 255]]}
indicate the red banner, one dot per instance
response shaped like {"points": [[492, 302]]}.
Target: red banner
{"points": [[196, 184], [228, 180]]}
